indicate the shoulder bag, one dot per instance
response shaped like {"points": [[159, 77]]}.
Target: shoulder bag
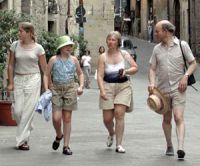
{"points": [[191, 78]]}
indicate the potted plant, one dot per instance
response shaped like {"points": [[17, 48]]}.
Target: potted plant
{"points": [[9, 33]]}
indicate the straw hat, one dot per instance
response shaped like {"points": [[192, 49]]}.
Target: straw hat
{"points": [[158, 102], [63, 41]]}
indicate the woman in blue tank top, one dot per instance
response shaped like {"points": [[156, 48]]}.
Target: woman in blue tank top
{"points": [[61, 70]]}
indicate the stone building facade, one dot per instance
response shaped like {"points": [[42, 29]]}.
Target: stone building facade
{"points": [[59, 16], [182, 13], [49, 15], [99, 22], [194, 24], [170, 10]]}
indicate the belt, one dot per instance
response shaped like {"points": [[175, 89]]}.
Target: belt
{"points": [[116, 80]]}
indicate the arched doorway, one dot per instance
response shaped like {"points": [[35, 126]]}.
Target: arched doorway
{"points": [[177, 17]]}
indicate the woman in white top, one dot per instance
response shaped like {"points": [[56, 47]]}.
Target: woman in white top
{"points": [[24, 79], [115, 87], [85, 60]]}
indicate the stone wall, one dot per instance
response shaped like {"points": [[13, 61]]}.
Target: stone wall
{"points": [[100, 21], [194, 28]]}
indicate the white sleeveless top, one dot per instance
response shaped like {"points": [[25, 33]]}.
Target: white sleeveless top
{"points": [[113, 68]]}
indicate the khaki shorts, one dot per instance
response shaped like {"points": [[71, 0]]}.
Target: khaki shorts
{"points": [[117, 93], [64, 96], [176, 99]]}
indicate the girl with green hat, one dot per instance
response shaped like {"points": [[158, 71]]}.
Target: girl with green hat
{"points": [[62, 68]]}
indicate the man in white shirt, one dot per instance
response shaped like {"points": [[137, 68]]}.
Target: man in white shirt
{"points": [[167, 67]]}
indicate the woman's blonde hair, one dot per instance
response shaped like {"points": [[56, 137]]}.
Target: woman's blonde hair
{"points": [[117, 35], [28, 27]]}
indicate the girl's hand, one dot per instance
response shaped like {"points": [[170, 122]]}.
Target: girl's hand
{"points": [[80, 90]]}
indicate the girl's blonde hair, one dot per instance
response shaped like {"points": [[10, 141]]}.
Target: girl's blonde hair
{"points": [[28, 27]]}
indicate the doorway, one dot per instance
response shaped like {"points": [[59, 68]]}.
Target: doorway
{"points": [[177, 17], [138, 17]]}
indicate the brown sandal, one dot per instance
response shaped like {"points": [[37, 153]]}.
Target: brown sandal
{"points": [[24, 146]]}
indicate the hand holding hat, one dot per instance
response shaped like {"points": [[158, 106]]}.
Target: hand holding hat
{"points": [[158, 102]]}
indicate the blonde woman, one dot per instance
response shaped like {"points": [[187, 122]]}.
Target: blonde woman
{"points": [[115, 87], [24, 79]]}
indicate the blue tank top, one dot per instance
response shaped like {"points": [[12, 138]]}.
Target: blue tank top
{"points": [[63, 71]]}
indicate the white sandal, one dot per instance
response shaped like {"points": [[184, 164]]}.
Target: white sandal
{"points": [[109, 141], [120, 149]]}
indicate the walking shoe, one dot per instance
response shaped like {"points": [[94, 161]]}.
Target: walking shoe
{"points": [[56, 142], [181, 154], [24, 146], [67, 150], [109, 141], [170, 151], [120, 149]]}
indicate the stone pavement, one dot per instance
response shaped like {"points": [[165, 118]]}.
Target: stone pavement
{"points": [[143, 140]]}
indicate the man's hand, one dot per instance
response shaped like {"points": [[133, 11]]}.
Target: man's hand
{"points": [[150, 88], [183, 84]]}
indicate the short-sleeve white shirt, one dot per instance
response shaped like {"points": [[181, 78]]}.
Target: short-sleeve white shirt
{"points": [[170, 64]]}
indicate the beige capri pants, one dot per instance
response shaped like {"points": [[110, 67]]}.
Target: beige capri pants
{"points": [[117, 93]]}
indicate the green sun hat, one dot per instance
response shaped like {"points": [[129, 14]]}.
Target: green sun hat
{"points": [[63, 41]]}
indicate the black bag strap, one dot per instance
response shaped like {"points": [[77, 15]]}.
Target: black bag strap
{"points": [[186, 67], [183, 55]]}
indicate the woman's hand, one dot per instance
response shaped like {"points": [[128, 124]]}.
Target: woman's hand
{"points": [[10, 88], [103, 96], [122, 72]]}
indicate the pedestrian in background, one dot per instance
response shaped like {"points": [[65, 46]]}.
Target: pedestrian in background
{"points": [[150, 28], [86, 60], [24, 79], [114, 68], [62, 68], [167, 66], [101, 51]]}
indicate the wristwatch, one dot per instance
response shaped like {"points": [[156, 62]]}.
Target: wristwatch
{"points": [[186, 74]]}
